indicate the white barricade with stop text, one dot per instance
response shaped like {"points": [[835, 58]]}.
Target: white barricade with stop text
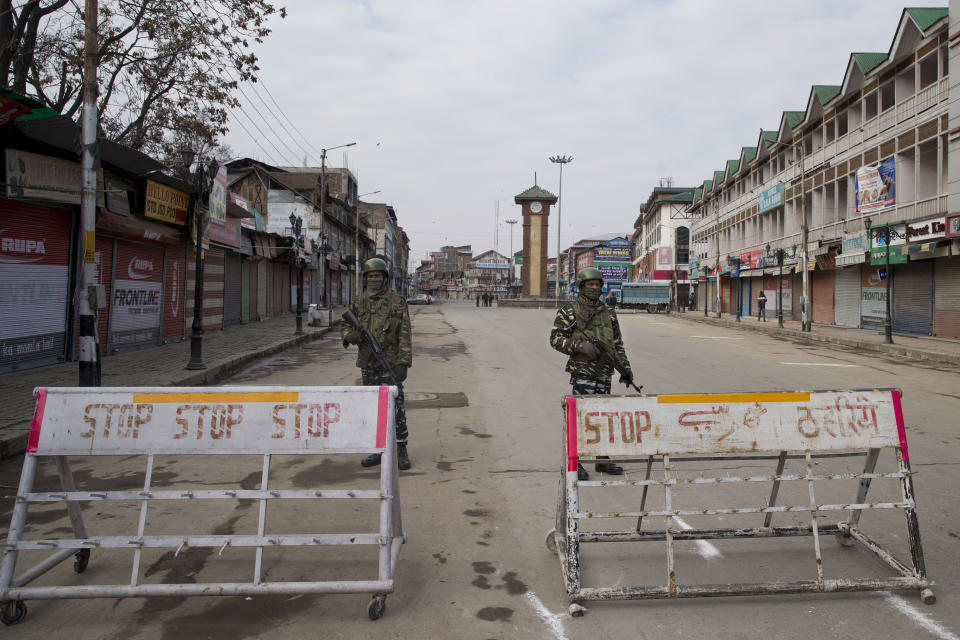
{"points": [[804, 427], [151, 422]]}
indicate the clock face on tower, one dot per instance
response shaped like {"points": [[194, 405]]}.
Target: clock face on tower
{"points": [[536, 207]]}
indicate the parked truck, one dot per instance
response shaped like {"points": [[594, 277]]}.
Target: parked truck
{"points": [[650, 296]]}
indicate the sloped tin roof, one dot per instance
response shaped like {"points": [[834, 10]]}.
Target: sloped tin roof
{"points": [[926, 17]]}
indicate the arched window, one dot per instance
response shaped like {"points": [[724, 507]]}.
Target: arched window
{"points": [[682, 245]]}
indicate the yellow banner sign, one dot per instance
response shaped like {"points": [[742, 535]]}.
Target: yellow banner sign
{"points": [[165, 203]]}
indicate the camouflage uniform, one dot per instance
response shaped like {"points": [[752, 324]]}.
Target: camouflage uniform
{"points": [[386, 316], [577, 322]]}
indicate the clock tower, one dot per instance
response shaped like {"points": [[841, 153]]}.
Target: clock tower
{"points": [[535, 203]]}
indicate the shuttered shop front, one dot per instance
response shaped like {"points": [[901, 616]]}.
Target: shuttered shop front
{"points": [[946, 314], [846, 295], [175, 290], [34, 283], [821, 298], [913, 297], [136, 300], [232, 288]]}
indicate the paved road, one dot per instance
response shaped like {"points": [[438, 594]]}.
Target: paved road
{"points": [[484, 410]]}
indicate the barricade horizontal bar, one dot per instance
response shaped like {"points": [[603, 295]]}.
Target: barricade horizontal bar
{"points": [[728, 456], [734, 479], [706, 534], [174, 542], [748, 589], [201, 494], [718, 512], [199, 589]]}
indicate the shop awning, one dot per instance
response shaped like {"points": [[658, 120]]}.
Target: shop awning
{"points": [[134, 228], [922, 251]]}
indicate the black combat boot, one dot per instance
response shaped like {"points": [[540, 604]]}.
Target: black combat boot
{"points": [[608, 467], [403, 460], [371, 460]]}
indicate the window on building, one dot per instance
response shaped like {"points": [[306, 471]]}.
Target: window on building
{"points": [[928, 71], [841, 123], [830, 130], [887, 96], [870, 109]]}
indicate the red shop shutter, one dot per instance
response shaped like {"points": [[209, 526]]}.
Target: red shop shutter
{"points": [[175, 291], [137, 297]]}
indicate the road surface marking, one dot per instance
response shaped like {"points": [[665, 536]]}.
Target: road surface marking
{"points": [[707, 550], [919, 617], [820, 364], [553, 620], [718, 337]]}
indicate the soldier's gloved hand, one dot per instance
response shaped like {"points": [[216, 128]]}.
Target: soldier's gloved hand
{"points": [[351, 337], [627, 378], [400, 370], [587, 349]]}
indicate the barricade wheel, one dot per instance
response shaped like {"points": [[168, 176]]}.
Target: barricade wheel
{"points": [[81, 561], [845, 539], [13, 612], [552, 541], [376, 607]]}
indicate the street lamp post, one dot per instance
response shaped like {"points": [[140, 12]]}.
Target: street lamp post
{"points": [[511, 223], [779, 256], [196, 330], [887, 323], [296, 223], [323, 197], [561, 160], [356, 243], [735, 263]]}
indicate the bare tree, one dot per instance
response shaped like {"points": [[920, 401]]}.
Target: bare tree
{"points": [[168, 69]]}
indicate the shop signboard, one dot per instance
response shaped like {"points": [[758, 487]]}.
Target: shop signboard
{"points": [[855, 242], [873, 297], [37, 177], [897, 249], [770, 198], [613, 254], [876, 186], [493, 265], [613, 272], [136, 295], [438, 255], [165, 203], [953, 225], [228, 234], [926, 230], [218, 196]]}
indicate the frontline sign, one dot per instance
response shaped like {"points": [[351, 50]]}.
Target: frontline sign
{"points": [[734, 422], [131, 421]]}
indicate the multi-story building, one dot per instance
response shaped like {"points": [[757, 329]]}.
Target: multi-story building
{"points": [[489, 272], [661, 237], [582, 254], [866, 159]]}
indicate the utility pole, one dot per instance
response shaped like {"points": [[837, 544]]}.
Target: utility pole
{"points": [[561, 160], [719, 297], [87, 300], [805, 304], [511, 223]]}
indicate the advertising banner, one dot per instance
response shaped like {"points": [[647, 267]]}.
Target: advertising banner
{"points": [[613, 272], [438, 255], [228, 234], [926, 230], [953, 225], [664, 257], [613, 254], [492, 265], [873, 298], [750, 259], [876, 186], [165, 203], [771, 198], [218, 196], [136, 296]]}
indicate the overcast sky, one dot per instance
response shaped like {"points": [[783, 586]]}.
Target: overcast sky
{"points": [[454, 105]]}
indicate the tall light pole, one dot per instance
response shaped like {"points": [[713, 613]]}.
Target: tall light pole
{"points": [[561, 160], [512, 266], [323, 197], [887, 324], [196, 330], [89, 358], [356, 243]]}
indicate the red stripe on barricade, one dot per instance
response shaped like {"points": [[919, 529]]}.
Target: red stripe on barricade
{"points": [[34, 438], [382, 417], [901, 429], [572, 433]]}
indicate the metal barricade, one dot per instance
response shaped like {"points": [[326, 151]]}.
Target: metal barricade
{"points": [[267, 421], [692, 428]]}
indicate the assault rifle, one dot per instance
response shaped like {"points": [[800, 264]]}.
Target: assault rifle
{"points": [[605, 355], [372, 347]]}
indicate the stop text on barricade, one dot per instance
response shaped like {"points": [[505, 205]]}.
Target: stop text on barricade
{"points": [[128, 421], [733, 422]]}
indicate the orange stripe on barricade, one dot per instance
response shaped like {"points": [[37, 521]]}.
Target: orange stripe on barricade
{"points": [[706, 398], [177, 398]]}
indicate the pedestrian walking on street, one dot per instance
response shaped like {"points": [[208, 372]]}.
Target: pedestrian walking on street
{"points": [[612, 300], [478, 300], [762, 306], [578, 323], [384, 314], [693, 302]]}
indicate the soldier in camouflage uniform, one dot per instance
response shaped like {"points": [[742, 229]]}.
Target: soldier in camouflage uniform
{"points": [[576, 324], [384, 313]]}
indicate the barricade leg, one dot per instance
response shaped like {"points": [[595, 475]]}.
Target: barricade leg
{"points": [[262, 521], [854, 519], [12, 612], [813, 521], [781, 461], [670, 522], [643, 498], [142, 522], [81, 557], [913, 527]]}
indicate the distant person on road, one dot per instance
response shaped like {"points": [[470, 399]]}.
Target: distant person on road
{"points": [[576, 324], [612, 300], [477, 296], [692, 304], [384, 314], [762, 306]]}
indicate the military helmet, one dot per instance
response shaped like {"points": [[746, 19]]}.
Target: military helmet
{"points": [[375, 264], [588, 273]]}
